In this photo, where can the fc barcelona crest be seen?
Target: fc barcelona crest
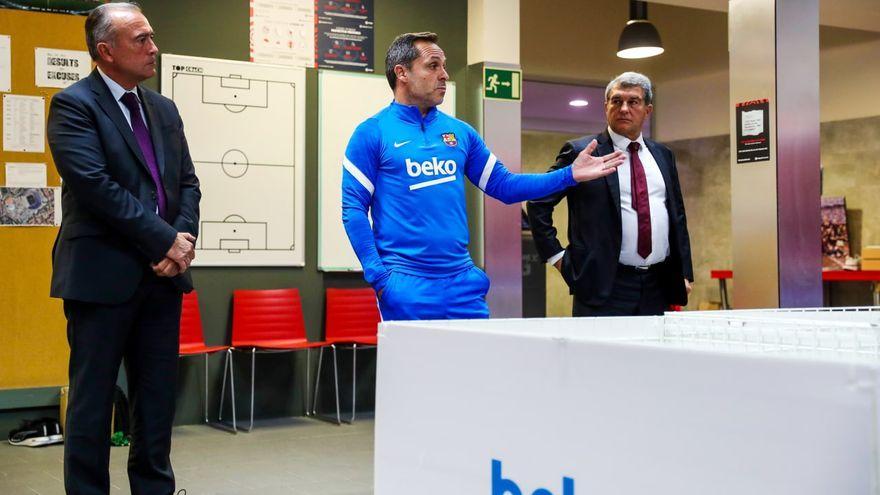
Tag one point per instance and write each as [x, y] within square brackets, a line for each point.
[449, 139]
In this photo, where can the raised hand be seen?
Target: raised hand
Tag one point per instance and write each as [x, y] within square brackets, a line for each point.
[587, 167]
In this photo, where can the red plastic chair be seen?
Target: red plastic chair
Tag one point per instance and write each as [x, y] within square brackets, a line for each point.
[351, 322]
[192, 342]
[722, 276]
[269, 321]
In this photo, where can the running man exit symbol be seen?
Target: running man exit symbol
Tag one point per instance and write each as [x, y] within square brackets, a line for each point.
[502, 84]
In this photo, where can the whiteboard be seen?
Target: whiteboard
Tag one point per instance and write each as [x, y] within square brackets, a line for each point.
[345, 100]
[245, 125]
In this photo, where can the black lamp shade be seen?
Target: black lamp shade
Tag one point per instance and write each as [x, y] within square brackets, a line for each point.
[639, 39]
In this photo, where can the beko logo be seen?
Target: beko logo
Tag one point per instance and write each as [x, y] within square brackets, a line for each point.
[506, 486]
[445, 169]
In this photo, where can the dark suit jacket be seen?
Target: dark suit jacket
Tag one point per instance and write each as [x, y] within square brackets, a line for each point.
[594, 227]
[110, 231]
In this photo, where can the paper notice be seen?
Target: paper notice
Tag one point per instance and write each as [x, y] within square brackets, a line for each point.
[60, 68]
[283, 32]
[5, 63]
[24, 123]
[752, 122]
[25, 175]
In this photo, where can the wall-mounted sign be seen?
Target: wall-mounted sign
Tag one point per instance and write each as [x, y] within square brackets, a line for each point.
[24, 123]
[283, 32]
[344, 35]
[502, 84]
[753, 131]
[5, 63]
[60, 68]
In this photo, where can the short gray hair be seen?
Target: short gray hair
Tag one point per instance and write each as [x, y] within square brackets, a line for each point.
[403, 52]
[99, 24]
[631, 80]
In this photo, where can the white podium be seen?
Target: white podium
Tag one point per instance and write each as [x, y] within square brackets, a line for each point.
[745, 403]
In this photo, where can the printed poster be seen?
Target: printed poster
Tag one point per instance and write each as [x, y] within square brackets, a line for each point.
[60, 68]
[24, 123]
[753, 131]
[283, 32]
[835, 234]
[344, 35]
[5, 63]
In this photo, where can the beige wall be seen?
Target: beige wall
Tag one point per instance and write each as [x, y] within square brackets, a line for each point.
[698, 106]
[692, 107]
[848, 81]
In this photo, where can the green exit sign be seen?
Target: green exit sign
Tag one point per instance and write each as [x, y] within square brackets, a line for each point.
[502, 84]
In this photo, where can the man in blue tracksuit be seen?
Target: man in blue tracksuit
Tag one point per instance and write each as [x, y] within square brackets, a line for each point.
[406, 167]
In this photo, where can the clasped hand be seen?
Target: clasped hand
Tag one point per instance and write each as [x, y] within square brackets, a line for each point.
[179, 256]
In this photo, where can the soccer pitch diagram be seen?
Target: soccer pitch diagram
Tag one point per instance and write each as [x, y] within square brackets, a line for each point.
[245, 125]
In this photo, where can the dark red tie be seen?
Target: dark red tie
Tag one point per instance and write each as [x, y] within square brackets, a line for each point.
[639, 186]
[143, 138]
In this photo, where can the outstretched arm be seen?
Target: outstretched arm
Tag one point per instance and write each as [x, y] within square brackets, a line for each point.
[493, 178]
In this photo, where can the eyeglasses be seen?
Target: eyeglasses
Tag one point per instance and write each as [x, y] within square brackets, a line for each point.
[632, 102]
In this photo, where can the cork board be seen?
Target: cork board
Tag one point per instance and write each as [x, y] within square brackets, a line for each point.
[33, 339]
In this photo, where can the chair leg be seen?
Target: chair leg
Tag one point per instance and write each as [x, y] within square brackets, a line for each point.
[253, 372]
[317, 383]
[353, 379]
[206, 388]
[308, 378]
[725, 302]
[223, 385]
[232, 389]
[336, 381]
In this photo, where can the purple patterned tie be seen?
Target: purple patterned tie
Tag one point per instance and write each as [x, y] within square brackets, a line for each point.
[639, 185]
[130, 101]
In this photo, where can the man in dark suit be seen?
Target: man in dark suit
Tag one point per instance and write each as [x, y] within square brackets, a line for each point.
[130, 205]
[629, 250]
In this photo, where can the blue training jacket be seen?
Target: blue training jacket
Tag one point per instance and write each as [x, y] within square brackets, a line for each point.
[408, 172]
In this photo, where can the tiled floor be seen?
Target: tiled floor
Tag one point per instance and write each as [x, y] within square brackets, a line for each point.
[291, 456]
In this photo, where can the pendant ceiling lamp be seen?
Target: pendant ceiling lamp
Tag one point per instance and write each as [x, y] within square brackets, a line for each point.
[639, 38]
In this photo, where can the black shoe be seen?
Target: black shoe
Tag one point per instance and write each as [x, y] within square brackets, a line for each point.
[37, 433]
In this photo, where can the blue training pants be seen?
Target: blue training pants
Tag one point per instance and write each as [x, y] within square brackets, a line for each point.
[413, 297]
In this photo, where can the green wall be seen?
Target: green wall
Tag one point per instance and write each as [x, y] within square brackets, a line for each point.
[221, 31]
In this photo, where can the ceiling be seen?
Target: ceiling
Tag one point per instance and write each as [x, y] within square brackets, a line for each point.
[576, 40]
[851, 14]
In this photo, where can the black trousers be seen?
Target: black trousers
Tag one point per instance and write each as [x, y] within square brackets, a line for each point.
[143, 333]
[635, 293]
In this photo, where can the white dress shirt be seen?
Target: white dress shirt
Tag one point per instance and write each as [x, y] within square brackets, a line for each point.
[628, 217]
[117, 91]
[656, 201]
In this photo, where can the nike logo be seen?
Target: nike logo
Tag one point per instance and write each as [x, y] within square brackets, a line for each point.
[402, 143]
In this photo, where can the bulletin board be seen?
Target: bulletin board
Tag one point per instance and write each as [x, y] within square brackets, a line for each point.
[33, 339]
